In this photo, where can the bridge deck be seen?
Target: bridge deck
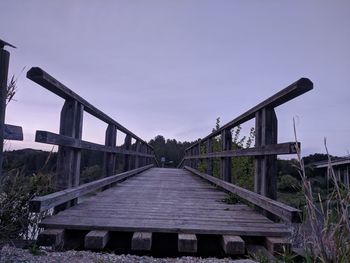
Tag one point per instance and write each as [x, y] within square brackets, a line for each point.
[167, 201]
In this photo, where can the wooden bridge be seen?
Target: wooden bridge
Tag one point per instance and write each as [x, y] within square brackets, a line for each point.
[140, 207]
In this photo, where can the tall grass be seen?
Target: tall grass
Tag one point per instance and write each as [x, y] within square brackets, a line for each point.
[329, 240]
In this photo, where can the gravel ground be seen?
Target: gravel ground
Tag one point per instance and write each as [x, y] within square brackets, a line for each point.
[11, 254]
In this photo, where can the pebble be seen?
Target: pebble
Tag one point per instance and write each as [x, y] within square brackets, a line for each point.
[9, 254]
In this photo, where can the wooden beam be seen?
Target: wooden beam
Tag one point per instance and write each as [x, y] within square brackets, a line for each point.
[141, 241]
[187, 243]
[294, 90]
[45, 80]
[12, 132]
[233, 245]
[277, 245]
[51, 237]
[109, 159]
[209, 160]
[127, 159]
[96, 239]
[42, 203]
[272, 149]
[57, 139]
[281, 210]
[226, 162]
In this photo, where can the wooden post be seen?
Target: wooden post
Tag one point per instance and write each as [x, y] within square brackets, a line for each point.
[210, 160]
[127, 146]
[137, 158]
[4, 65]
[110, 158]
[68, 159]
[225, 162]
[265, 182]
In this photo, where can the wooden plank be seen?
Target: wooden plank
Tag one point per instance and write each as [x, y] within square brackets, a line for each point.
[272, 149]
[277, 245]
[141, 241]
[12, 132]
[4, 64]
[51, 237]
[57, 139]
[42, 78]
[187, 243]
[42, 203]
[294, 90]
[283, 211]
[96, 239]
[233, 245]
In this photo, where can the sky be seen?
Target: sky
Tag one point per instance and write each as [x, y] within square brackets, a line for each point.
[173, 67]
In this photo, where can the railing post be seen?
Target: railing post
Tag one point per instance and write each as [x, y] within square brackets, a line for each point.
[265, 182]
[210, 149]
[225, 162]
[199, 161]
[68, 159]
[110, 158]
[127, 146]
[4, 64]
[137, 158]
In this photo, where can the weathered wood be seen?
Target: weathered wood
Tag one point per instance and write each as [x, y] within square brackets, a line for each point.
[110, 158]
[68, 159]
[4, 64]
[209, 161]
[42, 203]
[42, 78]
[57, 139]
[12, 132]
[96, 239]
[266, 166]
[141, 241]
[272, 149]
[281, 210]
[294, 90]
[127, 159]
[187, 243]
[137, 158]
[51, 237]
[225, 162]
[233, 245]
[277, 245]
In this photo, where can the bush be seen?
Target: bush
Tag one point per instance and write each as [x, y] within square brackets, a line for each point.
[288, 183]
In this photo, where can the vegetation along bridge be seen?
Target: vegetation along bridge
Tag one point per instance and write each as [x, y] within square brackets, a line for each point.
[145, 208]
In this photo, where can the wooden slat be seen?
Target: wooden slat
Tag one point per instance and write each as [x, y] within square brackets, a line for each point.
[57, 139]
[283, 211]
[45, 80]
[233, 245]
[272, 149]
[141, 241]
[187, 243]
[294, 90]
[12, 132]
[42, 203]
[96, 239]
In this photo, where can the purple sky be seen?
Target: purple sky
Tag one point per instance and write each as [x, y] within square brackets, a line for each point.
[173, 67]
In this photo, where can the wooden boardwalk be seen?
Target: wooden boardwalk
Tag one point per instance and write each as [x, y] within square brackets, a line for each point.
[167, 201]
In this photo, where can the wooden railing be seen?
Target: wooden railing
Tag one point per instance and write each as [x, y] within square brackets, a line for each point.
[265, 151]
[137, 156]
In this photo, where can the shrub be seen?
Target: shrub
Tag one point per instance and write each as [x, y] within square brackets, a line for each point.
[288, 183]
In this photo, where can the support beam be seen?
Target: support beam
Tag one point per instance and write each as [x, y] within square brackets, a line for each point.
[51, 237]
[209, 161]
[187, 243]
[233, 245]
[226, 162]
[96, 239]
[127, 146]
[276, 245]
[141, 241]
[109, 159]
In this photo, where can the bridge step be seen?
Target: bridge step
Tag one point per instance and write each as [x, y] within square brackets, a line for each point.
[233, 245]
[276, 245]
[187, 243]
[96, 239]
[141, 241]
[51, 237]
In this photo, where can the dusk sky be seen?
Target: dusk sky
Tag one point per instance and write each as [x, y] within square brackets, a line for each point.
[173, 67]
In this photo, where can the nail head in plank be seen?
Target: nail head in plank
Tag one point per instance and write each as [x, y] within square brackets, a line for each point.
[96, 239]
[277, 245]
[51, 237]
[187, 243]
[141, 241]
[233, 245]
